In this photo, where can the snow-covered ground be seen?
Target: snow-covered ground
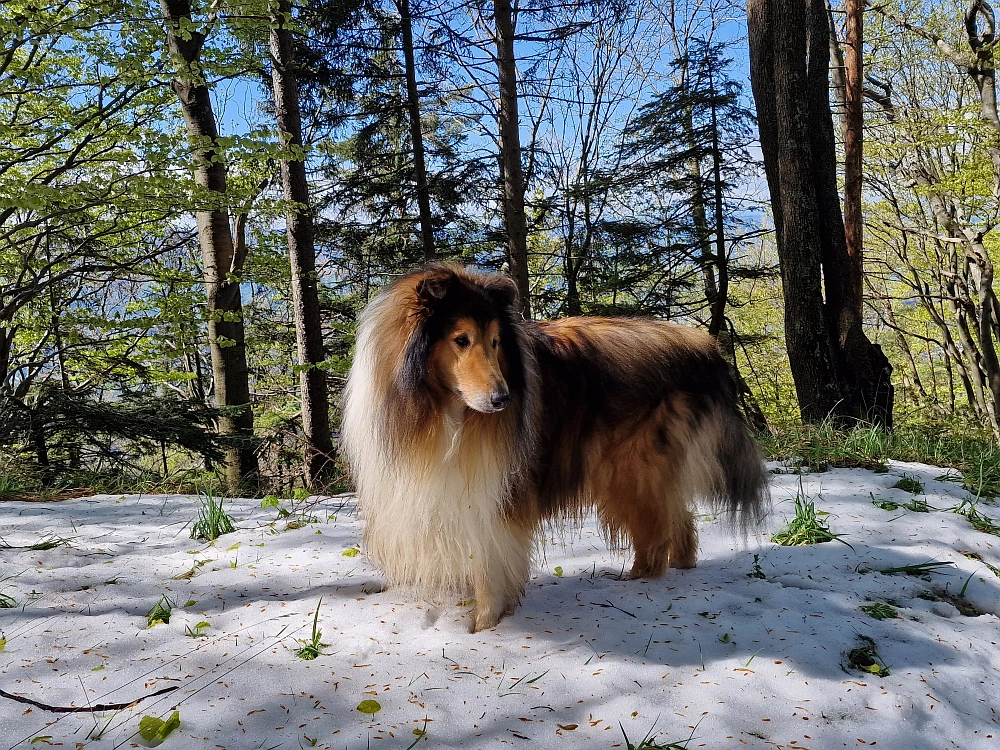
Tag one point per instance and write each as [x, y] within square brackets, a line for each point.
[711, 655]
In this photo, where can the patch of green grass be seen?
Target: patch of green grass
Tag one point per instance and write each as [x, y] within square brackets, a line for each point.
[820, 446]
[649, 743]
[958, 601]
[312, 648]
[188, 575]
[880, 611]
[806, 527]
[982, 477]
[13, 486]
[909, 484]
[7, 601]
[883, 504]
[979, 522]
[979, 558]
[213, 521]
[954, 442]
[160, 613]
[918, 569]
[50, 542]
[296, 510]
[918, 505]
[866, 658]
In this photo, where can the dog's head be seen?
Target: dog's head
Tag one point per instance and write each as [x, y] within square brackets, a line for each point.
[463, 342]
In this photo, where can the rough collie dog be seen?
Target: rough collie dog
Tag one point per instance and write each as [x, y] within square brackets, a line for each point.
[468, 427]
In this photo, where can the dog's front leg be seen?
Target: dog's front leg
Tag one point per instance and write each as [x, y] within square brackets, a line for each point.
[499, 582]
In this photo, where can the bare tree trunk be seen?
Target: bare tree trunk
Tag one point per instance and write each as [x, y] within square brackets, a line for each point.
[416, 131]
[319, 452]
[222, 266]
[779, 80]
[984, 75]
[721, 254]
[837, 370]
[512, 174]
[853, 153]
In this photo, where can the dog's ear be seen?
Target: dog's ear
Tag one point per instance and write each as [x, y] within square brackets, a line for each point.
[433, 288]
[503, 290]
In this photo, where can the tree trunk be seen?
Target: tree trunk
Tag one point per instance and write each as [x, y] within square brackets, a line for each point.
[416, 132]
[779, 82]
[837, 371]
[718, 318]
[41, 449]
[319, 452]
[222, 267]
[512, 174]
[853, 152]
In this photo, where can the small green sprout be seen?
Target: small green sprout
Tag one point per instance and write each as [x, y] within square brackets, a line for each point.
[313, 647]
[160, 613]
[866, 658]
[200, 630]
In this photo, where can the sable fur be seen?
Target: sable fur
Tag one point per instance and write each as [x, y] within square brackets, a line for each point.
[636, 417]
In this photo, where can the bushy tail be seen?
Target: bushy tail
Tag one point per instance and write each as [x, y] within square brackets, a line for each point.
[742, 490]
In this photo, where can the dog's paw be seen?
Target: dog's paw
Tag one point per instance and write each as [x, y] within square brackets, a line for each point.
[483, 619]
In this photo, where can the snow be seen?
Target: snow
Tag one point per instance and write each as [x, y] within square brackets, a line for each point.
[709, 657]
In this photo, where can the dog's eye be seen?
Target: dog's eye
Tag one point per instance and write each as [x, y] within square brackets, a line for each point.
[462, 341]
[496, 343]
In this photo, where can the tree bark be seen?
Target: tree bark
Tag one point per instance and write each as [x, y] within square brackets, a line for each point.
[837, 371]
[511, 172]
[853, 152]
[222, 266]
[416, 132]
[319, 450]
[718, 318]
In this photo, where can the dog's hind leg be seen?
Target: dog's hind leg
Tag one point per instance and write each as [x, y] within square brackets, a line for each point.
[644, 495]
[682, 549]
[501, 577]
[663, 532]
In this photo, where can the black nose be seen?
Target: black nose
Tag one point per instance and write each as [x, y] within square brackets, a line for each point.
[500, 400]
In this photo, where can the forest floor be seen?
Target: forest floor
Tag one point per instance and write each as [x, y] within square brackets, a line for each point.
[779, 654]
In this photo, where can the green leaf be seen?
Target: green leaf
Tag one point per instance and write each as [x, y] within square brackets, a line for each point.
[558, 571]
[152, 728]
[269, 501]
[369, 707]
[352, 552]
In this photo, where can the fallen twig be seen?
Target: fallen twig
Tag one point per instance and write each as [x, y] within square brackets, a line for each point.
[82, 709]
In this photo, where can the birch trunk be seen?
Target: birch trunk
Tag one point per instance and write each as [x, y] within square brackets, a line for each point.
[222, 266]
[319, 450]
